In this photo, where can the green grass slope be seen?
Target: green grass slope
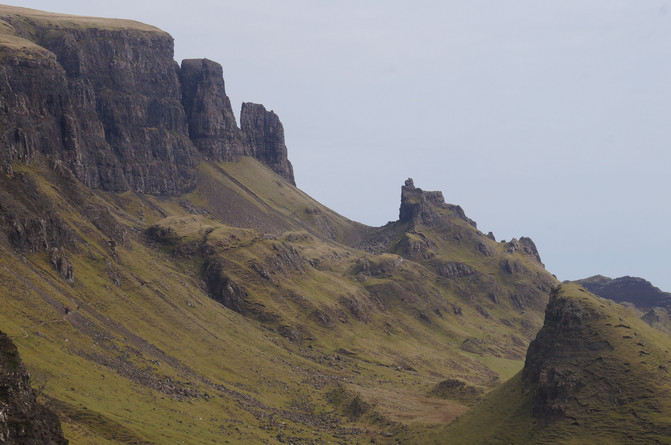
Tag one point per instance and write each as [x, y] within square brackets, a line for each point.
[595, 374]
[246, 312]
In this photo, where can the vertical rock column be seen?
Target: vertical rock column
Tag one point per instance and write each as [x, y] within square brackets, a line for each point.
[212, 126]
[265, 135]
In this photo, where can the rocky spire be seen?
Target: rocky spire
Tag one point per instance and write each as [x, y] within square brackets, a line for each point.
[212, 126]
[265, 136]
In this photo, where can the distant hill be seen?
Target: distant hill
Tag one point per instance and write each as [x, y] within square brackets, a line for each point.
[637, 291]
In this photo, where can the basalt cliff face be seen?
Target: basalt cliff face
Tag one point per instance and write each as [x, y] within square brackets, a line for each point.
[109, 103]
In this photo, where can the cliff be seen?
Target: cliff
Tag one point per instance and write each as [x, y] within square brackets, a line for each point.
[235, 311]
[22, 419]
[212, 126]
[105, 99]
[265, 135]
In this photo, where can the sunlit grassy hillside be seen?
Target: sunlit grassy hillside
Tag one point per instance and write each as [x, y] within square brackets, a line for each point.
[596, 374]
[242, 312]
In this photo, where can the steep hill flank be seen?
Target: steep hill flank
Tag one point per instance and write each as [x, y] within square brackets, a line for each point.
[594, 374]
[249, 312]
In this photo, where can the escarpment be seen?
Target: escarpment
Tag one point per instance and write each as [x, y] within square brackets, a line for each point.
[105, 99]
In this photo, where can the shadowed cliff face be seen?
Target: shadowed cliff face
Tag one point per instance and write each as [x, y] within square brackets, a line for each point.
[108, 107]
[555, 359]
[112, 106]
[212, 125]
[265, 135]
[22, 419]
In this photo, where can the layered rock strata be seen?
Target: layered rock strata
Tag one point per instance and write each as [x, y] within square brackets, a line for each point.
[265, 136]
[105, 99]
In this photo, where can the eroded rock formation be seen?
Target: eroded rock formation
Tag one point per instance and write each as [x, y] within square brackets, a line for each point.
[212, 125]
[110, 104]
[265, 135]
[556, 360]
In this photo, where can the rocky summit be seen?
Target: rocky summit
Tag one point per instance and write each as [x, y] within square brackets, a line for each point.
[164, 280]
[594, 374]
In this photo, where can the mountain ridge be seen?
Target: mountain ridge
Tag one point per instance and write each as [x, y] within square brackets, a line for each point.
[165, 275]
[635, 290]
[116, 109]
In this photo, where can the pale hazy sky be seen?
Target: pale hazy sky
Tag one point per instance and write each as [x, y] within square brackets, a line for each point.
[547, 119]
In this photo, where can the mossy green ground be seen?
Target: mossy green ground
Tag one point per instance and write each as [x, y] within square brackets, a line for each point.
[627, 400]
[145, 355]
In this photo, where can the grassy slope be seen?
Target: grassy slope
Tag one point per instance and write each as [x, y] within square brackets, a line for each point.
[146, 355]
[634, 374]
[16, 24]
[72, 21]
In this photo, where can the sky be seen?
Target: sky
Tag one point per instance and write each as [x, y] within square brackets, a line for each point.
[543, 119]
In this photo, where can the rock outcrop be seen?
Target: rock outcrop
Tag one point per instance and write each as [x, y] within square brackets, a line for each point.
[22, 419]
[212, 125]
[105, 99]
[265, 135]
[104, 102]
[554, 359]
[420, 207]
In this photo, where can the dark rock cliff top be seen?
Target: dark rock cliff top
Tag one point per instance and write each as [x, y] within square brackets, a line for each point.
[638, 291]
[22, 419]
[212, 126]
[105, 99]
[419, 206]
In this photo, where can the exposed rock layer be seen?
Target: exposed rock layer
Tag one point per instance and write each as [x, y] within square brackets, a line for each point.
[265, 135]
[212, 125]
[112, 106]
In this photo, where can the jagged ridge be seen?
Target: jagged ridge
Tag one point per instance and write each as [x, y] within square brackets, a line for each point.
[242, 296]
